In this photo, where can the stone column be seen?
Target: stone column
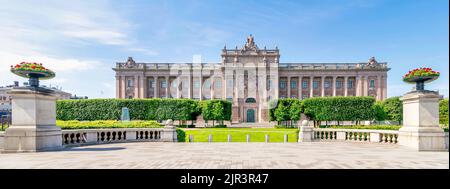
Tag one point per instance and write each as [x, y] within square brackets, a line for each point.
[33, 122]
[334, 85]
[288, 86]
[117, 86]
[365, 86]
[212, 82]
[123, 87]
[142, 87]
[358, 85]
[179, 86]
[224, 87]
[311, 88]
[384, 87]
[167, 86]
[156, 88]
[346, 86]
[379, 94]
[190, 86]
[300, 87]
[421, 129]
[322, 90]
[201, 86]
[136, 87]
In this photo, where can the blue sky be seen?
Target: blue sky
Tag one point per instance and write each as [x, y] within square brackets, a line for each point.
[82, 40]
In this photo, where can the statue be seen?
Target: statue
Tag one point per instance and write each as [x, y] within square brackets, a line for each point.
[372, 61]
[130, 62]
[250, 45]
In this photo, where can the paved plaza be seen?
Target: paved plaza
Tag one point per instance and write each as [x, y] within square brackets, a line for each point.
[156, 155]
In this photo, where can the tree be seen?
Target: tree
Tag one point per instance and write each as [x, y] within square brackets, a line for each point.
[394, 109]
[443, 111]
[295, 110]
[282, 112]
[378, 109]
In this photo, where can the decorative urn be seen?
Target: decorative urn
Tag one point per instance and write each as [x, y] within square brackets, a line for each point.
[33, 71]
[420, 76]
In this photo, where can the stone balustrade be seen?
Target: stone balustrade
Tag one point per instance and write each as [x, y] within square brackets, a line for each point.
[358, 135]
[97, 136]
[2, 139]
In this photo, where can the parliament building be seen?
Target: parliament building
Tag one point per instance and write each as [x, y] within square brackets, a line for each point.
[250, 77]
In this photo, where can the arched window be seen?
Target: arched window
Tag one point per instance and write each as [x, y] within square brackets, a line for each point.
[250, 100]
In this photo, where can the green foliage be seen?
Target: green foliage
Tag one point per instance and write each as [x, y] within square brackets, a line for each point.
[380, 114]
[239, 134]
[443, 112]
[140, 109]
[106, 124]
[296, 110]
[373, 127]
[285, 110]
[339, 108]
[181, 135]
[285, 127]
[393, 108]
[282, 111]
[216, 110]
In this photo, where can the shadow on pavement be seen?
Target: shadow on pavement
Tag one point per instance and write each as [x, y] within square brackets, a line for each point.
[95, 149]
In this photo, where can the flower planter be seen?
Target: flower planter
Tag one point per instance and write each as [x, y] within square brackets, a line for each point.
[33, 71]
[420, 76]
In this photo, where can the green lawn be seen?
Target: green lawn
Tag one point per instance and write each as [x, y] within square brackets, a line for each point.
[239, 134]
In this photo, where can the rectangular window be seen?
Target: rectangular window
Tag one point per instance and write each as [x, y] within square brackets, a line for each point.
[305, 84]
[197, 84]
[327, 84]
[315, 84]
[338, 84]
[151, 84]
[282, 84]
[372, 84]
[350, 84]
[130, 83]
[218, 84]
[163, 84]
[293, 84]
[269, 84]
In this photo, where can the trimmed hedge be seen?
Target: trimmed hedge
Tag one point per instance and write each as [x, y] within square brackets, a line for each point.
[106, 124]
[140, 109]
[339, 108]
[393, 107]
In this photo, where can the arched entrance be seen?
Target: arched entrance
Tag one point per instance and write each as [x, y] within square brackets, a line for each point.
[250, 115]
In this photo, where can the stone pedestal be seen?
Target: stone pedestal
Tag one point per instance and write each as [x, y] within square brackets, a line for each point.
[421, 129]
[170, 132]
[306, 133]
[33, 122]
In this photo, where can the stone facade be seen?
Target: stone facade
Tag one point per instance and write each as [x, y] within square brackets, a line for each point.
[249, 77]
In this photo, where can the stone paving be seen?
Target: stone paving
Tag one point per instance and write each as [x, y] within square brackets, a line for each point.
[155, 155]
